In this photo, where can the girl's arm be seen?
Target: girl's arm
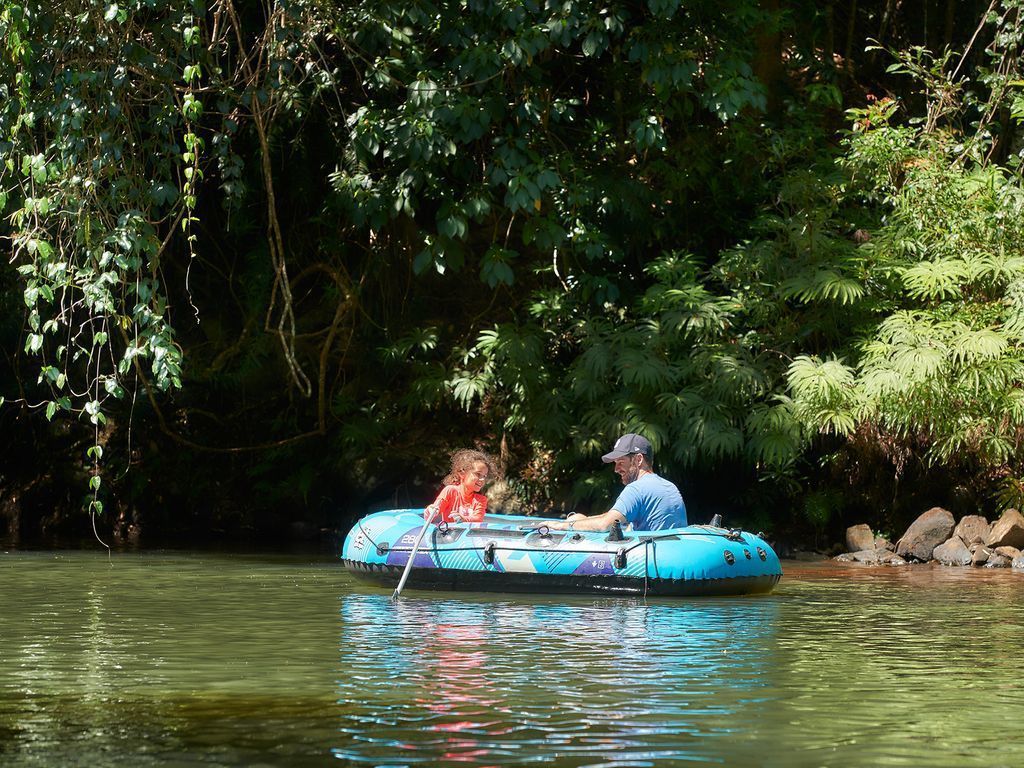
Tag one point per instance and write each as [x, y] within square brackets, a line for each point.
[476, 510]
[441, 509]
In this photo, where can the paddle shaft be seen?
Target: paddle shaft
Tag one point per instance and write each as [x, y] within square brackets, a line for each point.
[408, 565]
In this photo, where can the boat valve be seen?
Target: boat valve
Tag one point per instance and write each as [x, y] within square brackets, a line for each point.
[620, 558]
[382, 548]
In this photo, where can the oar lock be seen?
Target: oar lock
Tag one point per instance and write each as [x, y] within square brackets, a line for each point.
[489, 553]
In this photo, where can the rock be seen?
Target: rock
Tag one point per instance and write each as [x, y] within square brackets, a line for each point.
[1007, 531]
[981, 555]
[1011, 552]
[1018, 562]
[859, 537]
[926, 533]
[953, 552]
[998, 561]
[972, 528]
[846, 557]
[883, 543]
[807, 556]
[873, 557]
[888, 557]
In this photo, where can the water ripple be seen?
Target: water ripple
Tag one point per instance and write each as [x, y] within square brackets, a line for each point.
[172, 659]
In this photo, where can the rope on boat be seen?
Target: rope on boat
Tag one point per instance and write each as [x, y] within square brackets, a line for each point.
[644, 541]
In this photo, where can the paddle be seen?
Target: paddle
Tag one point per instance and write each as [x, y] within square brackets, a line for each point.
[412, 556]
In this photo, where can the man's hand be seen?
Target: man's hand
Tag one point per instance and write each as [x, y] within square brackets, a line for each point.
[563, 525]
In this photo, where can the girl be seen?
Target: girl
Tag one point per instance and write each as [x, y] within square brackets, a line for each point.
[460, 501]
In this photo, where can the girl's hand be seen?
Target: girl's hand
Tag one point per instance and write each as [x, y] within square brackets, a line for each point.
[457, 518]
[430, 513]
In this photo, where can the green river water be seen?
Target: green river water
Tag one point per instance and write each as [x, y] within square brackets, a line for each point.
[186, 659]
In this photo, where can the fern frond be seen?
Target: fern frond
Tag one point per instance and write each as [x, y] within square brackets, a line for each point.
[1013, 316]
[643, 369]
[883, 381]
[971, 346]
[936, 280]
[720, 439]
[1000, 269]
[920, 362]
[468, 387]
[814, 379]
[836, 421]
[735, 378]
[774, 431]
[824, 285]
[595, 364]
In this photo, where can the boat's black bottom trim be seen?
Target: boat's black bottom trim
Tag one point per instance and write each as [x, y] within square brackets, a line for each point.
[494, 581]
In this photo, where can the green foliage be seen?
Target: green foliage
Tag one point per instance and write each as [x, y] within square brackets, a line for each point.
[91, 160]
[819, 507]
[328, 241]
[939, 370]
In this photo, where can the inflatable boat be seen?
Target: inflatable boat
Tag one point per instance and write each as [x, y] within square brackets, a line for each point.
[521, 554]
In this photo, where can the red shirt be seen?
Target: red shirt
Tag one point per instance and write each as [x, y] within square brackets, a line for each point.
[450, 502]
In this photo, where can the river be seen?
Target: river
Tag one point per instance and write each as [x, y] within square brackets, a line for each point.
[169, 658]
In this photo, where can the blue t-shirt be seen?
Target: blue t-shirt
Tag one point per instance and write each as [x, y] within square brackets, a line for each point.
[652, 503]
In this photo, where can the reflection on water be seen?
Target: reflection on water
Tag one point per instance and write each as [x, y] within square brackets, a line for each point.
[501, 680]
[171, 659]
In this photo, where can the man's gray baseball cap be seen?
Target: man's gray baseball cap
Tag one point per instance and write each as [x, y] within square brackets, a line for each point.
[626, 445]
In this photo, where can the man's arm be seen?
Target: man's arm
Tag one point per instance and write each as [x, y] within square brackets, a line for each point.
[579, 522]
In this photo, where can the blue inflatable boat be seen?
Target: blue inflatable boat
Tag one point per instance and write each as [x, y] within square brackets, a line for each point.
[520, 554]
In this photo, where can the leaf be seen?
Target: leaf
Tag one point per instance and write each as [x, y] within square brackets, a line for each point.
[422, 260]
[33, 343]
[936, 279]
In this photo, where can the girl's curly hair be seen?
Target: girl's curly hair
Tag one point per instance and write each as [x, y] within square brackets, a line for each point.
[463, 461]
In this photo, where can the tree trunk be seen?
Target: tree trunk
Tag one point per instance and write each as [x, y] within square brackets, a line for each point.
[851, 28]
[768, 58]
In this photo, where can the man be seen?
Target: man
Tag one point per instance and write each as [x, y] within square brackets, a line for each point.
[648, 502]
